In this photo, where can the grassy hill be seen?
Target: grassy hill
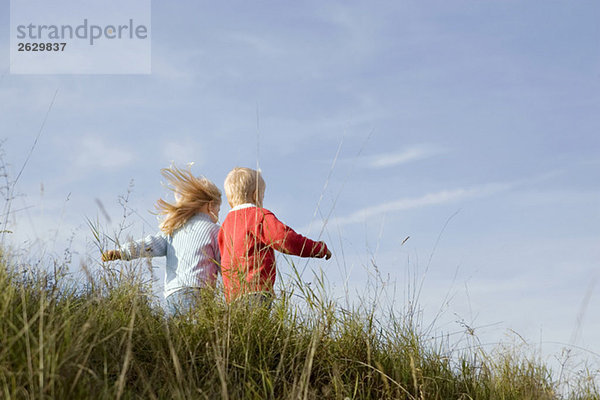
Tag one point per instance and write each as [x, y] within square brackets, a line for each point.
[104, 338]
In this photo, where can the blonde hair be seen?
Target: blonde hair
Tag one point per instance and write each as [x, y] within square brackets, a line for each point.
[242, 183]
[191, 194]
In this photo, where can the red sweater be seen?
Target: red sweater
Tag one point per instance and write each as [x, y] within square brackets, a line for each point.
[247, 240]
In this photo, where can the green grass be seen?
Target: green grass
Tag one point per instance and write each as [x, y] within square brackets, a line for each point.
[104, 339]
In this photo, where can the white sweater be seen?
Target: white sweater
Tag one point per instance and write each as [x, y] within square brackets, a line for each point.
[192, 252]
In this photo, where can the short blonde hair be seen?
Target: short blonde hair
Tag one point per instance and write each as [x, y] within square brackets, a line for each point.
[191, 194]
[242, 183]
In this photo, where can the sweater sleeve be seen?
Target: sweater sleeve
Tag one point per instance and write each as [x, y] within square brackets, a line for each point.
[281, 237]
[150, 246]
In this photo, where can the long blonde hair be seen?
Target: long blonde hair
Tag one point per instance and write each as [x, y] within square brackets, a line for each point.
[191, 194]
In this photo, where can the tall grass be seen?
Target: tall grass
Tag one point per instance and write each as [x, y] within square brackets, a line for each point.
[102, 335]
[105, 338]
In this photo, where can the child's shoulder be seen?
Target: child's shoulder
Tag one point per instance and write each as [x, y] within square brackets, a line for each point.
[253, 210]
[201, 220]
[195, 225]
[262, 211]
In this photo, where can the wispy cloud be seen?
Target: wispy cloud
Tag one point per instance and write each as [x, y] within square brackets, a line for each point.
[94, 152]
[404, 156]
[183, 151]
[430, 199]
[169, 64]
[259, 44]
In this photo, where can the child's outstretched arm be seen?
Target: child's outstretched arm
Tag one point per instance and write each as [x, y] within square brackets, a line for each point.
[284, 239]
[150, 246]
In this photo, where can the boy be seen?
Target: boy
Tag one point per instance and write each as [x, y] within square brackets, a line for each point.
[250, 234]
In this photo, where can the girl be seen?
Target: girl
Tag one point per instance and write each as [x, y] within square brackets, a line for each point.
[187, 237]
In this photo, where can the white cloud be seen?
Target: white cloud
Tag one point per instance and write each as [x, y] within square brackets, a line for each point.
[404, 156]
[94, 152]
[172, 65]
[442, 197]
[182, 152]
[257, 43]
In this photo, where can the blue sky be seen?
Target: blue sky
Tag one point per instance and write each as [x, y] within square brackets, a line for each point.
[372, 122]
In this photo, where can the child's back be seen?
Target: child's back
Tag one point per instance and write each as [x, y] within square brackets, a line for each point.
[250, 234]
[187, 238]
[191, 253]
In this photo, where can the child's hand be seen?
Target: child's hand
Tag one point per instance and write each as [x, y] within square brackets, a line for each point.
[327, 254]
[111, 255]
